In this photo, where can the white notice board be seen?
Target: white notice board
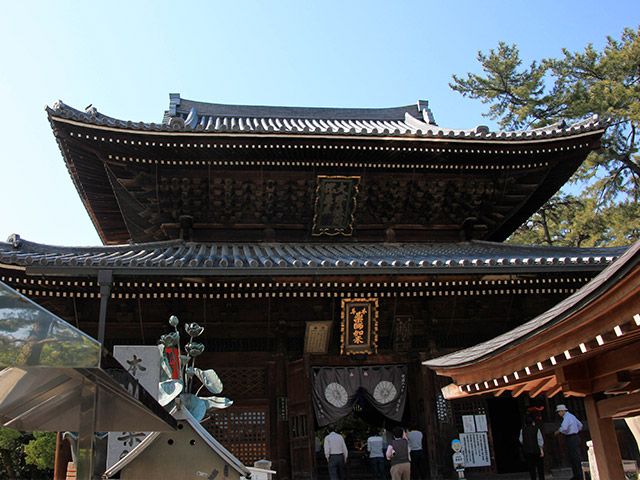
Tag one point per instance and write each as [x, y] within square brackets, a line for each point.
[481, 423]
[475, 448]
[468, 424]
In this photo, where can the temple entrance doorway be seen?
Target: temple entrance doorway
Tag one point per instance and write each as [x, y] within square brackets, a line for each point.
[356, 427]
[506, 422]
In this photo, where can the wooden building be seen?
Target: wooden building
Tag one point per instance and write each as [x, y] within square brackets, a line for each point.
[587, 346]
[263, 223]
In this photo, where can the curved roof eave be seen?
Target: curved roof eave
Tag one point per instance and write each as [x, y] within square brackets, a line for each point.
[407, 128]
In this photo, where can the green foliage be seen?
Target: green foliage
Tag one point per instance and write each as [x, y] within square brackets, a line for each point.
[9, 438]
[40, 451]
[572, 88]
[14, 459]
[566, 220]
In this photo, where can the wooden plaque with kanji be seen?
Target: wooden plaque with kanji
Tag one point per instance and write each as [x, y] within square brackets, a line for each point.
[359, 326]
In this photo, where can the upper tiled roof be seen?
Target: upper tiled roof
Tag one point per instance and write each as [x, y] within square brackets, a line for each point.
[407, 121]
[319, 258]
[510, 339]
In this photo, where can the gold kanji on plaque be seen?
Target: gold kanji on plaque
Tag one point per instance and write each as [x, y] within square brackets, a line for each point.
[359, 329]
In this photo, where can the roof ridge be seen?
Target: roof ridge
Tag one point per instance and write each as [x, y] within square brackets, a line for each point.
[191, 119]
[297, 112]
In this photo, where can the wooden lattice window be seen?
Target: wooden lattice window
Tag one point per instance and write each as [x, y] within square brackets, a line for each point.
[467, 406]
[243, 431]
[244, 382]
[298, 425]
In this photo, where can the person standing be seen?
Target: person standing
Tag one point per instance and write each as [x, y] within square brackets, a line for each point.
[399, 456]
[533, 447]
[375, 447]
[414, 436]
[335, 450]
[570, 428]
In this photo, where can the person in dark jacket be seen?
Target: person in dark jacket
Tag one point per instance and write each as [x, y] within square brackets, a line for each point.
[533, 447]
[399, 456]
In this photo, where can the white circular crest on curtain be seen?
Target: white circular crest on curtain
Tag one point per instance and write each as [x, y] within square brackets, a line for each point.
[336, 395]
[384, 392]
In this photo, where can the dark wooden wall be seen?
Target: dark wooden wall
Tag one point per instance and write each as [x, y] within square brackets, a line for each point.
[255, 335]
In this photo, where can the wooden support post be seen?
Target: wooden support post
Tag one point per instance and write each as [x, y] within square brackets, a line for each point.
[62, 457]
[605, 442]
[429, 382]
[105, 280]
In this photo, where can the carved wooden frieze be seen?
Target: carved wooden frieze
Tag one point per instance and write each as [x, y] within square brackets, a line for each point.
[335, 205]
[318, 205]
[402, 333]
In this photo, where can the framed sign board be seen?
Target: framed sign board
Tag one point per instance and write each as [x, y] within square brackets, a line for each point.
[359, 328]
[335, 205]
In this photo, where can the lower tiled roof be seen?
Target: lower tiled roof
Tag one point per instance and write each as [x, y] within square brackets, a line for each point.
[512, 338]
[316, 258]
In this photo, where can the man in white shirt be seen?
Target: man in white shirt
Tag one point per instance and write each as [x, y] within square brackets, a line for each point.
[375, 447]
[335, 450]
[414, 436]
[570, 428]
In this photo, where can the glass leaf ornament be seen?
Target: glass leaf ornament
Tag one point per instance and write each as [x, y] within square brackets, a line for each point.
[193, 329]
[178, 370]
[194, 349]
[196, 405]
[217, 402]
[170, 339]
[210, 380]
[164, 363]
[168, 391]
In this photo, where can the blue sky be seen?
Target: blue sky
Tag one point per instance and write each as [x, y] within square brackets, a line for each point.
[126, 57]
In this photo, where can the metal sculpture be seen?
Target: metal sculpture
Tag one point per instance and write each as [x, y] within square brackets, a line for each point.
[178, 371]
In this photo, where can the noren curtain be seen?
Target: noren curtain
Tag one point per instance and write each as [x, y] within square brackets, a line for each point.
[335, 390]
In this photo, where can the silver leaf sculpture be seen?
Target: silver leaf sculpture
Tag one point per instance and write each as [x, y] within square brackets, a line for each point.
[179, 371]
[210, 380]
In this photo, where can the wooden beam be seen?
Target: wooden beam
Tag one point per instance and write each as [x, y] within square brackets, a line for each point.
[624, 358]
[500, 391]
[620, 406]
[548, 385]
[605, 441]
[554, 391]
[453, 392]
[613, 382]
[574, 379]
[626, 387]
[520, 389]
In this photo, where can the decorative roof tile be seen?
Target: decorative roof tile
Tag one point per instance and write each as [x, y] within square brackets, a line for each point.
[406, 121]
[269, 258]
[557, 313]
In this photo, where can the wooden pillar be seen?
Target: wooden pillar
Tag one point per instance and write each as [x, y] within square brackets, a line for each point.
[280, 434]
[605, 442]
[62, 458]
[431, 417]
[105, 280]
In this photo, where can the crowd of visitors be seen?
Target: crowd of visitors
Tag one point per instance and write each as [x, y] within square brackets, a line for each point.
[398, 454]
[395, 454]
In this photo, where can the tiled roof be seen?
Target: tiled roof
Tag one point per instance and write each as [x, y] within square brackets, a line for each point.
[304, 258]
[407, 121]
[513, 337]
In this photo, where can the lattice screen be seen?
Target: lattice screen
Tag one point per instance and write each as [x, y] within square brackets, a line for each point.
[468, 406]
[243, 382]
[244, 431]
